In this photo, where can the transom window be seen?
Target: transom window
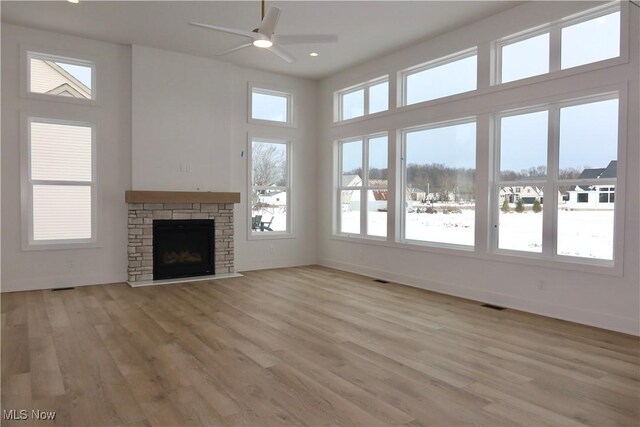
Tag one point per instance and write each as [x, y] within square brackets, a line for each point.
[588, 37]
[270, 187]
[555, 184]
[60, 76]
[272, 106]
[61, 181]
[363, 186]
[443, 77]
[367, 98]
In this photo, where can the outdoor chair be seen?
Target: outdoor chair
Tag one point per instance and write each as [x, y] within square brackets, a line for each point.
[256, 222]
[266, 225]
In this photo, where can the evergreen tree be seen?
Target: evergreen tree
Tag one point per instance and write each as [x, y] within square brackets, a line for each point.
[505, 206]
[537, 207]
[519, 206]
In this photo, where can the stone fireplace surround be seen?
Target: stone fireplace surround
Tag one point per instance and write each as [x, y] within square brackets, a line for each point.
[145, 206]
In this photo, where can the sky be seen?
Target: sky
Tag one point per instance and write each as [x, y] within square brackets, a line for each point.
[79, 72]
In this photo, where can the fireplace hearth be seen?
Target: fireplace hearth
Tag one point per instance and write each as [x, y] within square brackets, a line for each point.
[183, 248]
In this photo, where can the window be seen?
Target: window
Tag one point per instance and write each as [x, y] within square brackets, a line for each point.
[439, 177]
[367, 98]
[589, 41]
[61, 182]
[363, 188]
[444, 77]
[270, 187]
[59, 76]
[583, 139]
[271, 106]
[586, 38]
[523, 170]
[607, 195]
[523, 58]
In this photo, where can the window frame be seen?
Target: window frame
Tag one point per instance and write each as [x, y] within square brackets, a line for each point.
[555, 41]
[364, 188]
[267, 90]
[289, 232]
[403, 185]
[404, 74]
[68, 57]
[552, 181]
[365, 86]
[28, 242]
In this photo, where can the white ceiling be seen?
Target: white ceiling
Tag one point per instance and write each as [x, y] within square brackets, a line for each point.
[366, 29]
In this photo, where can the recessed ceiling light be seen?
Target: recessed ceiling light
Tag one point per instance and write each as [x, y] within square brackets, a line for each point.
[73, 1]
[313, 54]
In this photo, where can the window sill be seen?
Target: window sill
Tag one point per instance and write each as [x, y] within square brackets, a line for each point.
[57, 245]
[59, 98]
[582, 265]
[273, 123]
[270, 235]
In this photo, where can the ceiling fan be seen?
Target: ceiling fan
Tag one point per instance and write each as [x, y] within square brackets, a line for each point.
[264, 36]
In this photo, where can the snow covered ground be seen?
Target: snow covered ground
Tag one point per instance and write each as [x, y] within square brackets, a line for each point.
[279, 216]
[580, 233]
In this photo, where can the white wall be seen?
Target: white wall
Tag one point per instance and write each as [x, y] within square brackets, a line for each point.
[567, 292]
[190, 132]
[22, 270]
[181, 121]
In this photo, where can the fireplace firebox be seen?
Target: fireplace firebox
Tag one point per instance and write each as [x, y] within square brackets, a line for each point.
[183, 248]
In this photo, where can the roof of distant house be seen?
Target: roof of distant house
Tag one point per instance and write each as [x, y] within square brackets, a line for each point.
[611, 171]
[351, 180]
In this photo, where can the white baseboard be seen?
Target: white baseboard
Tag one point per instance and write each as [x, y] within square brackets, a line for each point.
[543, 308]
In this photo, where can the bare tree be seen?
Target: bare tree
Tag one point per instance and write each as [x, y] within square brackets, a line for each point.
[269, 166]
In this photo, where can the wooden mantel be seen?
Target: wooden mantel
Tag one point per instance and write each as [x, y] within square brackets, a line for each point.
[180, 197]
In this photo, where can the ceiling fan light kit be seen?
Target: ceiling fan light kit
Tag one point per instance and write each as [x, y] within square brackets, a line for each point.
[262, 43]
[264, 36]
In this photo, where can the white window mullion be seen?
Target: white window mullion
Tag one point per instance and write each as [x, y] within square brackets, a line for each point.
[365, 183]
[555, 48]
[402, 187]
[550, 205]
[366, 100]
[393, 214]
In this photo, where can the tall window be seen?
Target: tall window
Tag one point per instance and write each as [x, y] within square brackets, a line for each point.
[270, 187]
[366, 98]
[444, 77]
[576, 166]
[61, 181]
[269, 105]
[440, 179]
[363, 187]
[588, 37]
[523, 174]
[60, 76]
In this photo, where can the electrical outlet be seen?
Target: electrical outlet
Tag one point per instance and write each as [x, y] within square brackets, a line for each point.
[541, 285]
[70, 264]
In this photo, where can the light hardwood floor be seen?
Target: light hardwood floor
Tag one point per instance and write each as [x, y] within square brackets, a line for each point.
[306, 346]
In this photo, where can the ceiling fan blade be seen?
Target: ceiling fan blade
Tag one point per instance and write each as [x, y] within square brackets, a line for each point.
[277, 50]
[270, 21]
[233, 49]
[235, 31]
[305, 38]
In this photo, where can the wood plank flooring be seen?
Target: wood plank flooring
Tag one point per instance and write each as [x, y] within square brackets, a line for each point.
[306, 346]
